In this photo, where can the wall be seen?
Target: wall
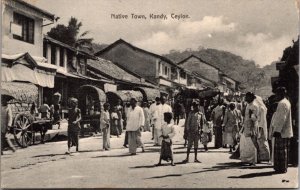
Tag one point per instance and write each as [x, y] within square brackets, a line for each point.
[207, 71]
[135, 61]
[12, 46]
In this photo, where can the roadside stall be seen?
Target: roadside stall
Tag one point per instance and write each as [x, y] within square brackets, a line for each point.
[90, 101]
[23, 77]
[149, 94]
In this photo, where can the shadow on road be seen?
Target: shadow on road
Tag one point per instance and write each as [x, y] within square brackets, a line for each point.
[163, 176]
[49, 155]
[199, 151]
[113, 156]
[147, 166]
[252, 175]
[223, 166]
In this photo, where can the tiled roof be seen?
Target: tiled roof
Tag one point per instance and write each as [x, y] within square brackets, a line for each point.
[113, 71]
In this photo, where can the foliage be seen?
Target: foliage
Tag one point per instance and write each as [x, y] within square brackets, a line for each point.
[247, 72]
[71, 34]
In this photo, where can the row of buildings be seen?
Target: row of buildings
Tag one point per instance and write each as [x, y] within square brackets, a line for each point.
[40, 65]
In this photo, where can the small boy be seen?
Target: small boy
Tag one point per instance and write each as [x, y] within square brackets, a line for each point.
[205, 134]
[194, 126]
[168, 132]
[73, 124]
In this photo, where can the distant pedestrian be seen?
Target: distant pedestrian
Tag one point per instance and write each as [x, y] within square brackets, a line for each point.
[73, 125]
[120, 112]
[156, 120]
[281, 131]
[6, 124]
[177, 112]
[147, 116]
[194, 125]
[114, 129]
[105, 126]
[135, 122]
[230, 126]
[127, 106]
[168, 132]
[217, 119]
[45, 110]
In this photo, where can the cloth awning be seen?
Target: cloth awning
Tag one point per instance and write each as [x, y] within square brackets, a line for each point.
[125, 95]
[90, 89]
[149, 94]
[23, 92]
[22, 73]
[23, 67]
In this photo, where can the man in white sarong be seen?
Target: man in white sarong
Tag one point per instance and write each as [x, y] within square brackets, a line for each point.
[248, 141]
[135, 122]
[156, 122]
[262, 136]
[165, 108]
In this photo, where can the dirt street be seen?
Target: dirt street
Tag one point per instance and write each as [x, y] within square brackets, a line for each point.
[47, 166]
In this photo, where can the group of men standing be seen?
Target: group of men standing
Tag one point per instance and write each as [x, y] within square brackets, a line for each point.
[250, 126]
[157, 111]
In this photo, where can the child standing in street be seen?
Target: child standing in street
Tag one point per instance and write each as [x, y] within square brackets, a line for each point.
[194, 126]
[73, 125]
[205, 134]
[168, 132]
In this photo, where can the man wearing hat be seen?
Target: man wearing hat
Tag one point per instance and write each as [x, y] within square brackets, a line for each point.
[281, 131]
[135, 122]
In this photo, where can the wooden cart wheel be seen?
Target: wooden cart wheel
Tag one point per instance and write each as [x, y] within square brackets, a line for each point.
[23, 132]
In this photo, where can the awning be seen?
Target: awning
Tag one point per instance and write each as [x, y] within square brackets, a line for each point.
[23, 67]
[124, 95]
[149, 94]
[89, 89]
[23, 92]
[22, 73]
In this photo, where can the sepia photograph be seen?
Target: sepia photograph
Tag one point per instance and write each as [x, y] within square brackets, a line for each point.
[118, 94]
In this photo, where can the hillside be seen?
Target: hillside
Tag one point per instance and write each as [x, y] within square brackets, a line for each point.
[250, 75]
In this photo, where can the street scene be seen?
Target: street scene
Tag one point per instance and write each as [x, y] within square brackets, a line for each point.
[117, 95]
[47, 163]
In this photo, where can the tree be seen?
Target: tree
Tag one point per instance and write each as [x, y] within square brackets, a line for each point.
[71, 34]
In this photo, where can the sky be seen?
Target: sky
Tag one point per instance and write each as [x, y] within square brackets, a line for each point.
[257, 30]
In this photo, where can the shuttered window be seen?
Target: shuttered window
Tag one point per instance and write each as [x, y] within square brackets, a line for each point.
[27, 25]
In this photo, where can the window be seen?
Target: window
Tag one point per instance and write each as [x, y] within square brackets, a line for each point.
[45, 49]
[27, 25]
[182, 74]
[166, 70]
[61, 57]
[53, 55]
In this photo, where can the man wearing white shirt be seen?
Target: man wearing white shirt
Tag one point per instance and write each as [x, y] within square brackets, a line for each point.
[135, 121]
[281, 131]
[152, 110]
[158, 119]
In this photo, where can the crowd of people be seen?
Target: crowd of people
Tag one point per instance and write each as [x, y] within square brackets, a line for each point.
[244, 127]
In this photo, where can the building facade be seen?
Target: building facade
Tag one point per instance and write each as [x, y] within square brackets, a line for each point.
[155, 68]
